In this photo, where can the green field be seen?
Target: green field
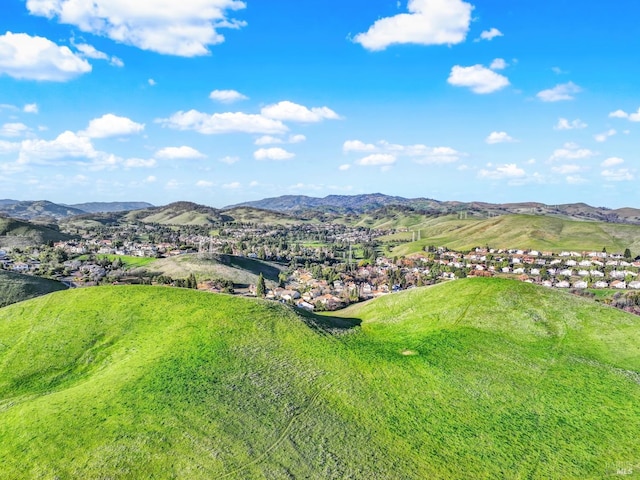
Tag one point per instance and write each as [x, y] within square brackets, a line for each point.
[129, 261]
[521, 231]
[478, 378]
[15, 287]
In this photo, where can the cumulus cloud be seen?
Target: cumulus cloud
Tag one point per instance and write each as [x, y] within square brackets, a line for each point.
[8, 147]
[227, 96]
[498, 64]
[429, 22]
[571, 151]
[293, 112]
[344, 167]
[179, 153]
[565, 91]
[270, 140]
[490, 34]
[30, 108]
[13, 129]
[274, 153]
[139, 163]
[633, 117]
[619, 175]
[436, 155]
[232, 185]
[612, 162]
[499, 137]
[564, 124]
[111, 125]
[66, 145]
[36, 58]
[204, 184]
[507, 171]
[297, 138]
[185, 28]
[358, 146]
[377, 159]
[219, 123]
[478, 78]
[603, 137]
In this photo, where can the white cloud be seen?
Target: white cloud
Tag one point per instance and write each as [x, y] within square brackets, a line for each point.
[268, 140]
[8, 147]
[436, 155]
[152, 82]
[232, 185]
[227, 96]
[344, 167]
[564, 124]
[13, 129]
[508, 171]
[377, 159]
[204, 184]
[558, 71]
[429, 22]
[275, 153]
[571, 151]
[151, 179]
[139, 163]
[567, 169]
[490, 34]
[499, 137]
[67, 144]
[179, 153]
[229, 160]
[185, 28]
[478, 78]
[36, 58]
[358, 146]
[565, 91]
[289, 111]
[111, 125]
[172, 184]
[603, 137]
[498, 64]
[220, 123]
[30, 108]
[611, 162]
[89, 51]
[620, 175]
[297, 138]
[575, 180]
[633, 117]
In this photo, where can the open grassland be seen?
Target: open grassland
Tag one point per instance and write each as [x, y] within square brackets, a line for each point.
[15, 287]
[127, 260]
[479, 378]
[239, 270]
[525, 232]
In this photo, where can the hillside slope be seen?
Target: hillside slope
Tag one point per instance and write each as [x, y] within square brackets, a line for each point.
[15, 287]
[524, 231]
[472, 379]
[19, 233]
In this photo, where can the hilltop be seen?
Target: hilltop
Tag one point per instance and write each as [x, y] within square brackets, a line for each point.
[476, 378]
[179, 213]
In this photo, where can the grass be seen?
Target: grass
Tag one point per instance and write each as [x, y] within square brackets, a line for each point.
[15, 287]
[523, 231]
[478, 378]
[128, 261]
[239, 270]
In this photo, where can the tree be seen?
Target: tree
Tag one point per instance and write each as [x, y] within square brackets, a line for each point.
[627, 253]
[261, 288]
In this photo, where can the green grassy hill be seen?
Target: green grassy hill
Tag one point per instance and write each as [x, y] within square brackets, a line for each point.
[18, 233]
[178, 213]
[478, 378]
[15, 287]
[522, 231]
[239, 270]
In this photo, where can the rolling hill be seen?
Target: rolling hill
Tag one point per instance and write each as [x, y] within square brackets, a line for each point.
[521, 231]
[179, 213]
[109, 207]
[15, 287]
[39, 210]
[239, 270]
[478, 378]
[18, 233]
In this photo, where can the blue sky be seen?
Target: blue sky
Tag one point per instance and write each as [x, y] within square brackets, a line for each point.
[223, 101]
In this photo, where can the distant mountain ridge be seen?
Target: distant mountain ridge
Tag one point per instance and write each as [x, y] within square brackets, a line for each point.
[357, 204]
[111, 207]
[45, 210]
